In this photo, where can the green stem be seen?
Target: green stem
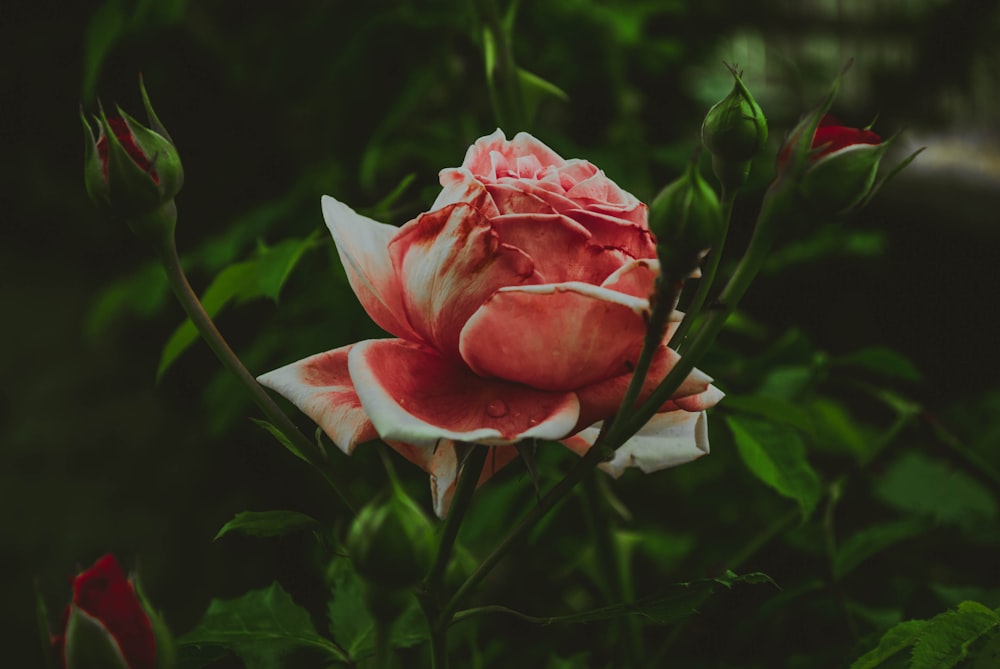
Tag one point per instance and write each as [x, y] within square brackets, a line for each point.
[768, 220]
[167, 250]
[611, 568]
[469, 478]
[383, 646]
[552, 498]
[707, 276]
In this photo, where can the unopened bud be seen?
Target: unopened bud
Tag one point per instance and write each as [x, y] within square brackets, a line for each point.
[734, 131]
[686, 218]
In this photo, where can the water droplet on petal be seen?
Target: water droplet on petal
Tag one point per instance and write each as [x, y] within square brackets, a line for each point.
[496, 409]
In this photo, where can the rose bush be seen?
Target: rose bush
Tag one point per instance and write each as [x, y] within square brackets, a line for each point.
[519, 306]
[105, 625]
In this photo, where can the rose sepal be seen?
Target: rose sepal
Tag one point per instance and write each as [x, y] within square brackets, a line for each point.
[166, 648]
[89, 644]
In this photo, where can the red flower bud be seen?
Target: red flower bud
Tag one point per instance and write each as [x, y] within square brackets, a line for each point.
[840, 168]
[133, 171]
[105, 625]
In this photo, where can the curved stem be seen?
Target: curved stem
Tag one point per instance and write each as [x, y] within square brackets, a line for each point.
[469, 478]
[707, 276]
[552, 498]
[167, 251]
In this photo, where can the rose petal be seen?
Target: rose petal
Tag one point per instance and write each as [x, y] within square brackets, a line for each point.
[602, 399]
[637, 278]
[612, 231]
[459, 185]
[363, 248]
[555, 336]
[508, 198]
[492, 156]
[669, 439]
[558, 246]
[321, 387]
[414, 395]
[451, 261]
[441, 462]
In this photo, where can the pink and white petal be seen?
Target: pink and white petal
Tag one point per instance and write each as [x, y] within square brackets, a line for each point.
[669, 439]
[548, 192]
[555, 336]
[321, 387]
[509, 198]
[558, 246]
[478, 159]
[450, 261]
[363, 246]
[459, 185]
[441, 462]
[600, 189]
[615, 232]
[525, 144]
[603, 398]
[412, 394]
[637, 212]
[637, 278]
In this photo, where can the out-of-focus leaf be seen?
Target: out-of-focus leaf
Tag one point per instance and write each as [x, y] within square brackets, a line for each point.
[263, 276]
[282, 439]
[142, 293]
[873, 540]
[675, 602]
[267, 523]
[881, 360]
[787, 382]
[918, 484]
[836, 431]
[897, 639]
[42, 619]
[535, 90]
[828, 241]
[114, 20]
[776, 455]
[947, 637]
[771, 408]
[261, 627]
[350, 623]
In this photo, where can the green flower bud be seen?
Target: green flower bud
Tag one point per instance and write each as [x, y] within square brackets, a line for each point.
[391, 541]
[686, 218]
[734, 131]
[133, 171]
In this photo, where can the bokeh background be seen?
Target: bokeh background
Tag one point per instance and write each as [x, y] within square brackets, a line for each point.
[274, 104]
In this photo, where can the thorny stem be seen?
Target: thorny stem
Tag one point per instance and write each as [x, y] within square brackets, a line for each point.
[166, 249]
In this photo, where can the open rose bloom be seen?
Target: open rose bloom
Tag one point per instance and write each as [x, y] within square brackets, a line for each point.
[518, 304]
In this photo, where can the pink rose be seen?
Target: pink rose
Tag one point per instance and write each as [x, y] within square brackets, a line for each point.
[519, 306]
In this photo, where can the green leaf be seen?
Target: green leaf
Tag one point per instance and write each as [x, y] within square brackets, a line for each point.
[263, 276]
[836, 431]
[262, 627]
[917, 484]
[141, 293]
[881, 360]
[282, 439]
[675, 602]
[945, 640]
[535, 90]
[350, 622]
[875, 539]
[898, 638]
[776, 455]
[774, 409]
[939, 643]
[267, 523]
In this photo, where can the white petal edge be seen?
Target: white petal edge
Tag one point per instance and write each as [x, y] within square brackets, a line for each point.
[394, 423]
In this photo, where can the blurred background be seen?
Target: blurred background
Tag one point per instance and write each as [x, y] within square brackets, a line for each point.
[273, 105]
